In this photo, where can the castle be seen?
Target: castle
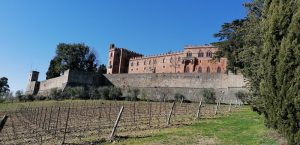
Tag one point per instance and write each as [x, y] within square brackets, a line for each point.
[194, 59]
[188, 72]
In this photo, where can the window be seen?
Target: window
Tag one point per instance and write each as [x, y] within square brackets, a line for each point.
[209, 54]
[137, 63]
[178, 59]
[154, 61]
[110, 54]
[200, 54]
[131, 63]
[149, 61]
[171, 59]
[200, 70]
[145, 62]
[189, 54]
[187, 69]
[208, 70]
[219, 70]
[163, 61]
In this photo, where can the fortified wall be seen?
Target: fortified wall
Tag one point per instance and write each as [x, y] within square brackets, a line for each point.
[159, 86]
[151, 86]
[68, 79]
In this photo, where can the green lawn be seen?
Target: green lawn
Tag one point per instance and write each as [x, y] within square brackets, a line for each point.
[243, 127]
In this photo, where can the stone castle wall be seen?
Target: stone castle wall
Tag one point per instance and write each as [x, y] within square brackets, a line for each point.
[151, 86]
[157, 86]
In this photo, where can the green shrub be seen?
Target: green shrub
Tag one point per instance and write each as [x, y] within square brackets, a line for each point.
[55, 94]
[115, 93]
[178, 97]
[209, 96]
[41, 98]
[243, 96]
[19, 95]
[132, 95]
[74, 93]
[103, 93]
[29, 98]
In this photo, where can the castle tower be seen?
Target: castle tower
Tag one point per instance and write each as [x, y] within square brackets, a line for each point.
[118, 61]
[33, 84]
[33, 76]
[112, 60]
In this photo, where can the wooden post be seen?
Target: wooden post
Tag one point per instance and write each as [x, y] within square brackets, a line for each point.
[41, 116]
[66, 127]
[199, 109]
[109, 111]
[181, 101]
[45, 115]
[99, 118]
[150, 114]
[58, 113]
[50, 117]
[229, 109]
[112, 135]
[170, 114]
[2, 122]
[216, 109]
[37, 116]
[134, 113]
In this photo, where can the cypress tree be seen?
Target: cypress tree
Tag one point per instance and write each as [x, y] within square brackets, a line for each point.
[280, 67]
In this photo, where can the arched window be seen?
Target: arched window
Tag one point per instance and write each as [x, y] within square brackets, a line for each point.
[200, 69]
[163, 61]
[149, 61]
[187, 69]
[189, 54]
[131, 63]
[208, 70]
[200, 54]
[219, 70]
[137, 63]
[209, 54]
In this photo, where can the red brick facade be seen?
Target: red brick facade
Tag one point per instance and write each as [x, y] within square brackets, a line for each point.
[118, 61]
[194, 59]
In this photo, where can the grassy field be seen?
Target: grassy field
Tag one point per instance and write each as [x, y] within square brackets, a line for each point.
[243, 127]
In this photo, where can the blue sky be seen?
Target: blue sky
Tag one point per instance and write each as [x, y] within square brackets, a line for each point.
[31, 29]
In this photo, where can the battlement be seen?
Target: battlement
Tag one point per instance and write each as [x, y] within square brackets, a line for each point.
[125, 50]
[157, 55]
[198, 46]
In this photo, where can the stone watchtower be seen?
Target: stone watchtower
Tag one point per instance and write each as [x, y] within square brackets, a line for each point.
[33, 84]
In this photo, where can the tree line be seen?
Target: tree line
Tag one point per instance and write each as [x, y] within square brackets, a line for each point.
[265, 48]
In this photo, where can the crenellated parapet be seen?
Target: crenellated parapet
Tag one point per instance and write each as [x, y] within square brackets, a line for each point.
[157, 55]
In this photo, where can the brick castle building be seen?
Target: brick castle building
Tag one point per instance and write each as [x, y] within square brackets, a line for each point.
[193, 59]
